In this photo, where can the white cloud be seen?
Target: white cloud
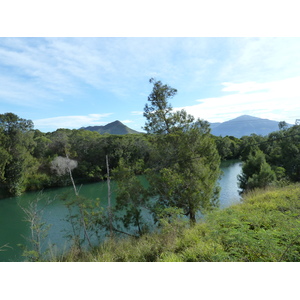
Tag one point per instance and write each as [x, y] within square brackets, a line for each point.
[16, 91]
[126, 121]
[137, 113]
[39, 72]
[72, 122]
[245, 87]
[116, 65]
[277, 100]
[260, 59]
[284, 87]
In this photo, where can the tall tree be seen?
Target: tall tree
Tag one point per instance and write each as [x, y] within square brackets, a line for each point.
[129, 196]
[185, 167]
[17, 145]
[282, 125]
[161, 119]
[159, 113]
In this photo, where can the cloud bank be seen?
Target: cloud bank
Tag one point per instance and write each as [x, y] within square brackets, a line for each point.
[72, 122]
[276, 100]
[229, 77]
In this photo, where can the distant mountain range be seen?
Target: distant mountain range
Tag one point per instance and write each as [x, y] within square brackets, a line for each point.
[115, 127]
[244, 125]
[238, 127]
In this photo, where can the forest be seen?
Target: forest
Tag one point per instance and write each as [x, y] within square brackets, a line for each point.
[178, 156]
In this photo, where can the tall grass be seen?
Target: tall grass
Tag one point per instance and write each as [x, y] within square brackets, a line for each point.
[265, 227]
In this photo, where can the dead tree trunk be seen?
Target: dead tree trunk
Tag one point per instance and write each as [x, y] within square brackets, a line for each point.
[80, 208]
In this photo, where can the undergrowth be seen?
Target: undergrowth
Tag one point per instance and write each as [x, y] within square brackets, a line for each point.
[265, 227]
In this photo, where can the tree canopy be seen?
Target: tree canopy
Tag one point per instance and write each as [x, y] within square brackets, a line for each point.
[16, 149]
[185, 161]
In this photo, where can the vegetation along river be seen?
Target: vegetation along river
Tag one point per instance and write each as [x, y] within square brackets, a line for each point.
[14, 230]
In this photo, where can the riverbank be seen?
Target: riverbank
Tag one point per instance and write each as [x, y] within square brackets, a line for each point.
[14, 230]
[264, 228]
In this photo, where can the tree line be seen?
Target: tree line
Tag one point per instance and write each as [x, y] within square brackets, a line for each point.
[171, 142]
[26, 154]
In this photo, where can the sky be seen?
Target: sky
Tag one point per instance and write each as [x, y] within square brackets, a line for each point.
[76, 82]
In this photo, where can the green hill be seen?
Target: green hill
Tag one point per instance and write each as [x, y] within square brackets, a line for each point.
[115, 127]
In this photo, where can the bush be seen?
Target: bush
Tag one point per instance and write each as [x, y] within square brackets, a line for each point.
[264, 228]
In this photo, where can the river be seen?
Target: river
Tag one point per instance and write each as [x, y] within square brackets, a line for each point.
[14, 230]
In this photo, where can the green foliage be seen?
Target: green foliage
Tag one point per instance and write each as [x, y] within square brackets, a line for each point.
[265, 177]
[274, 159]
[16, 149]
[86, 218]
[26, 155]
[228, 147]
[34, 209]
[11, 124]
[115, 127]
[5, 157]
[264, 228]
[131, 196]
[159, 113]
[249, 144]
[282, 125]
[184, 165]
[257, 173]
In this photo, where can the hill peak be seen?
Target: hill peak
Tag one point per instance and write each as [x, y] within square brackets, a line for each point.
[115, 127]
[117, 122]
[245, 125]
[245, 117]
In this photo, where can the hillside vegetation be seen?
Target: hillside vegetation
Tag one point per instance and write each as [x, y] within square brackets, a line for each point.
[264, 228]
[115, 127]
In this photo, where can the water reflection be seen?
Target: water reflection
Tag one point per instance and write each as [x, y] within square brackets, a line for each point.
[229, 184]
[13, 228]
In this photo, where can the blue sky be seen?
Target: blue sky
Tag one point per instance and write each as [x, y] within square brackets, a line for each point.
[75, 82]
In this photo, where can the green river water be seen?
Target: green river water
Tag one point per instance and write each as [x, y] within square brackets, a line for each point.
[14, 230]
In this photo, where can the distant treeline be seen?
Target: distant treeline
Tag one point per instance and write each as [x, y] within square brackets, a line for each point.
[26, 154]
[267, 160]
[173, 140]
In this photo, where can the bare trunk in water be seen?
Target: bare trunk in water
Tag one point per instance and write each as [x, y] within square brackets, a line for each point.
[80, 209]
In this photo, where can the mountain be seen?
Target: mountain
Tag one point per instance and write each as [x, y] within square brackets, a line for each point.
[214, 125]
[244, 125]
[115, 127]
[238, 127]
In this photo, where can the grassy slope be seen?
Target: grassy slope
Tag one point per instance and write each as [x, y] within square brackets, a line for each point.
[265, 227]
